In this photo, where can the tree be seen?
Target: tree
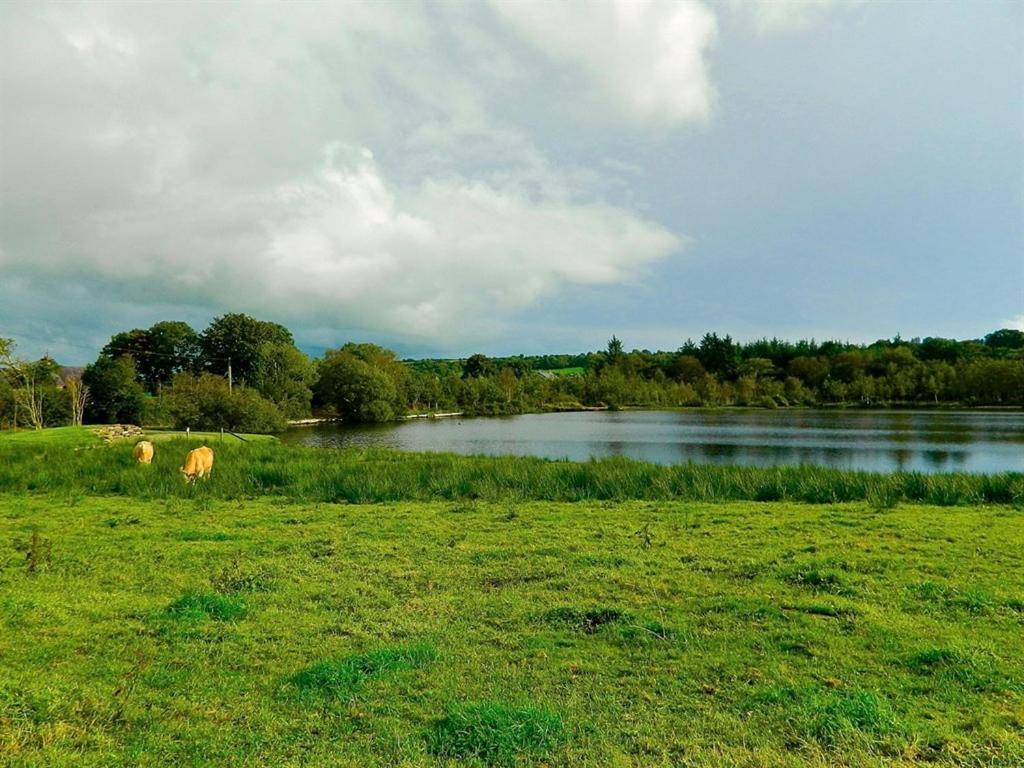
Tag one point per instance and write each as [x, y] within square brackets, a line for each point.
[115, 393]
[719, 355]
[687, 369]
[614, 350]
[285, 376]
[934, 348]
[239, 338]
[355, 389]
[477, 366]
[78, 395]
[160, 352]
[812, 371]
[758, 368]
[31, 383]
[8, 405]
[206, 402]
[1006, 338]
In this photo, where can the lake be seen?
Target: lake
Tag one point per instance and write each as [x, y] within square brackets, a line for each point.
[924, 441]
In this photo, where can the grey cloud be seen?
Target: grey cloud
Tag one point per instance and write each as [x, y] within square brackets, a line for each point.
[211, 157]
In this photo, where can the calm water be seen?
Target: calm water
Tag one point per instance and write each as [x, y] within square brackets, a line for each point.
[928, 441]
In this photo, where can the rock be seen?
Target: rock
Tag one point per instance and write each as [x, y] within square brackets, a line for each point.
[119, 432]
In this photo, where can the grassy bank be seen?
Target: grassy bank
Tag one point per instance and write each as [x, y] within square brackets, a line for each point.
[79, 437]
[248, 470]
[199, 631]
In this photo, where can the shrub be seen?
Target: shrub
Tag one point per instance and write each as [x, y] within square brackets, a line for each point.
[207, 402]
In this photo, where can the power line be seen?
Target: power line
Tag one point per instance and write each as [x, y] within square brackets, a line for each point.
[127, 351]
[160, 354]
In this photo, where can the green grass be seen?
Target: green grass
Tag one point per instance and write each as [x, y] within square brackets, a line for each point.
[305, 475]
[341, 678]
[500, 611]
[57, 437]
[162, 435]
[269, 631]
[196, 606]
[64, 437]
[580, 620]
[494, 733]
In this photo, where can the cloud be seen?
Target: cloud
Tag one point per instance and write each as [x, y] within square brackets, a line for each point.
[453, 250]
[451, 258]
[647, 55]
[348, 167]
[770, 16]
[1016, 323]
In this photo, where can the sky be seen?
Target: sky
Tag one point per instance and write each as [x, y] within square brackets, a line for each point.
[513, 175]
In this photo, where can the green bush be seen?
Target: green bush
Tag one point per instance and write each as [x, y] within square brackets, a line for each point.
[360, 382]
[206, 402]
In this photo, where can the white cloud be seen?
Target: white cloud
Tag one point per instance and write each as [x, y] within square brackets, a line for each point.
[648, 55]
[454, 250]
[769, 16]
[201, 157]
[338, 247]
[1016, 323]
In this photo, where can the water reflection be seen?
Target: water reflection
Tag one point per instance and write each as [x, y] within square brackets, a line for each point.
[924, 441]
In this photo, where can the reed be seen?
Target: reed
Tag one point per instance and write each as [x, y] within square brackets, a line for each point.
[254, 470]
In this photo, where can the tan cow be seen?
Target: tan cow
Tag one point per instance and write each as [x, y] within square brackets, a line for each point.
[143, 452]
[198, 463]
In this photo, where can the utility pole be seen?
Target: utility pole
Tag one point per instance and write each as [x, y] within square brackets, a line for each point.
[230, 382]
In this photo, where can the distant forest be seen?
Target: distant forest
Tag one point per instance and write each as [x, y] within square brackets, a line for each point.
[246, 374]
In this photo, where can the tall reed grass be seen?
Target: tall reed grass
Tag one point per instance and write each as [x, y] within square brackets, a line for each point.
[366, 476]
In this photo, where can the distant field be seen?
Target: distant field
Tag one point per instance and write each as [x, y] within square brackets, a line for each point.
[196, 631]
[573, 371]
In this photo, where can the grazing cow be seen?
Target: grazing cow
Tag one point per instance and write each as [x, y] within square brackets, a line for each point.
[198, 463]
[143, 452]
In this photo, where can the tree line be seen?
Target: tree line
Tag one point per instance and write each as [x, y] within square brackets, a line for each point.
[245, 374]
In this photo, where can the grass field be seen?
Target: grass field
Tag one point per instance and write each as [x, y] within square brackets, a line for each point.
[256, 469]
[247, 621]
[188, 632]
[575, 370]
[87, 436]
